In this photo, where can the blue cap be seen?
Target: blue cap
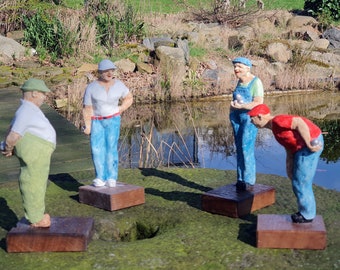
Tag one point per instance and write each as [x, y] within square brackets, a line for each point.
[105, 65]
[242, 60]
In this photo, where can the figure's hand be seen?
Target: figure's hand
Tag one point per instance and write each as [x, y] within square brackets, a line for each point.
[235, 105]
[7, 153]
[87, 130]
[315, 148]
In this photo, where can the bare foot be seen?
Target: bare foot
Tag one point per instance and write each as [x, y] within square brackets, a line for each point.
[44, 223]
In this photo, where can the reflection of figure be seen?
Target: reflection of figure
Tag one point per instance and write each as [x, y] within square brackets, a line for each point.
[102, 120]
[303, 142]
[33, 139]
[248, 94]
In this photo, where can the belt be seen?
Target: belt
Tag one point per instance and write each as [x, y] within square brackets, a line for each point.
[104, 117]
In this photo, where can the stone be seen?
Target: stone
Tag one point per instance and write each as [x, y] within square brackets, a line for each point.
[278, 231]
[226, 201]
[64, 234]
[115, 198]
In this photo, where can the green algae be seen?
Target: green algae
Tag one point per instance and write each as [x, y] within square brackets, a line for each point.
[169, 231]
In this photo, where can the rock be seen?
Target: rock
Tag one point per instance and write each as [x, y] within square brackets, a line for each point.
[144, 67]
[125, 65]
[184, 45]
[173, 67]
[86, 67]
[321, 43]
[10, 49]
[333, 35]
[279, 52]
[299, 21]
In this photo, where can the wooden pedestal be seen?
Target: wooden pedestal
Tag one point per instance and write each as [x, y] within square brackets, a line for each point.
[65, 234]
[119, 197]
[226, 201]
[278, 231]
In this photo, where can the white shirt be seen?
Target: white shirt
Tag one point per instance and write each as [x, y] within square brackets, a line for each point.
[29, 118]
[104, 103]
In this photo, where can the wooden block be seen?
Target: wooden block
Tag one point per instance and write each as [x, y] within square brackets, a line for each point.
[65, 234]
[119, 197]
[278, 231]
[226, 201]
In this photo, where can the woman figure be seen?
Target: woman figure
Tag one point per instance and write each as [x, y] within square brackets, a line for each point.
[101, 114]
[247, 94]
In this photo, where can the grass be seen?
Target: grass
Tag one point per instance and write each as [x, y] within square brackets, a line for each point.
[174, 6]
[169, 231]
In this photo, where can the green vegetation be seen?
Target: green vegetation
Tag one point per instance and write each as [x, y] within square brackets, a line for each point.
[169, 231]
[328, 10]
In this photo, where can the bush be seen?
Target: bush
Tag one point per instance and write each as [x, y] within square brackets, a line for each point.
[48, 34]
[323, 8]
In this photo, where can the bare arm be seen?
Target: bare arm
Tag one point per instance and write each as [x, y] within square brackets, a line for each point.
[126, 103]
[11, 139]
[300, 125]
[87, 113]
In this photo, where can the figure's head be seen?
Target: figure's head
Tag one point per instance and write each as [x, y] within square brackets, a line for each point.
[242, 67]
[34, 90]
[106, 69]
[260, 115]
[34, 85]
[243, 61]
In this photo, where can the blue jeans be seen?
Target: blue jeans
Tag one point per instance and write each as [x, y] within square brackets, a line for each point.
[104, 147]
[245, 136]
[304, 167]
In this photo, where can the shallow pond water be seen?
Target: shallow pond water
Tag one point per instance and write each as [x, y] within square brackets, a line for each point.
[199, 134]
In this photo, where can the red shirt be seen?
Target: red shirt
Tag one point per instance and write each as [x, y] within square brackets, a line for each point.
[289, 138]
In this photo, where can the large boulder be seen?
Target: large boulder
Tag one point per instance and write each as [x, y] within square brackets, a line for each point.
[10, 50]
[173, 67]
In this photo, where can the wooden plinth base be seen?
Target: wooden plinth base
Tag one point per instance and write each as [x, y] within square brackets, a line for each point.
[65, 234]
[119, 197]
[278, 231]
[226, 201]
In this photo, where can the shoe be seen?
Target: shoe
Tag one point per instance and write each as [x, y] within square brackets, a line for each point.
[111, 183]
[243, 186]
[98, 182]
[298, 218]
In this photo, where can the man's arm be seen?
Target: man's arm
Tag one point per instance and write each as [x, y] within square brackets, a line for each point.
[301, 126]
[126, 103]
[87, 113]
[11, 139]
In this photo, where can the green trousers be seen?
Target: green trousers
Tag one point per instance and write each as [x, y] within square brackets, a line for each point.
[34, 155]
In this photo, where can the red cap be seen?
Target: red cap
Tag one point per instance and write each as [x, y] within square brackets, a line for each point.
[259, 109]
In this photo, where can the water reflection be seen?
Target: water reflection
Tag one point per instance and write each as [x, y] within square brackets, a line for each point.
[199, 134]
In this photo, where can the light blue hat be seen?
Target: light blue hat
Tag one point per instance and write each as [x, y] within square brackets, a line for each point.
[105, 65]
[242, 60]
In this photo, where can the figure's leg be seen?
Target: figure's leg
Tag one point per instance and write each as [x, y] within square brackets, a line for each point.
[34, 154]
[235, 123]
[305, 164]
[248, 151]
[112, 159]
[98, 151]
